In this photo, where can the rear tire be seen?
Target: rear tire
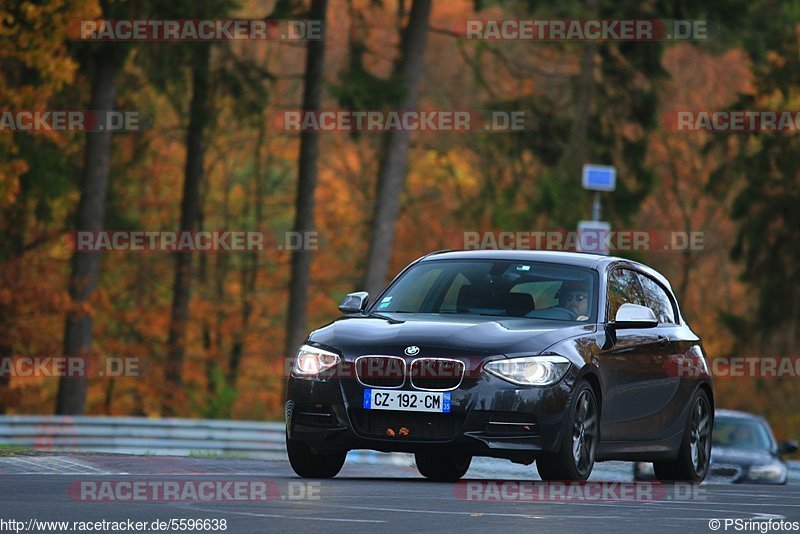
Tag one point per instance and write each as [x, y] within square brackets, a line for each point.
[574, 458]
[309, 464]
[695, 449]
[442, 467]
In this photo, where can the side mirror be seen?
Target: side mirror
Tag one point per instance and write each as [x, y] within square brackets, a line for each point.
[634, 316]
[354, 302]
[788, 447]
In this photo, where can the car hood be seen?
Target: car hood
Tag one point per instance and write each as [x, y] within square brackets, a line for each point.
[444, 335]
[736, 456]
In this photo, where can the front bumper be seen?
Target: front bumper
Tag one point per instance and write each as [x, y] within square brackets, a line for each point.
[489, 417]
[740, 474]
[717, 473]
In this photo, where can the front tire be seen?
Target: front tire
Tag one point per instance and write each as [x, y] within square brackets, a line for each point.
[574, 458]
[309, 464]
[442, 467]
[695, 449]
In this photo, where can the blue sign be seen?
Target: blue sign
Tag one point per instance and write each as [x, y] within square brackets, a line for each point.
[599, 177]
[367, 399]
[446, 403]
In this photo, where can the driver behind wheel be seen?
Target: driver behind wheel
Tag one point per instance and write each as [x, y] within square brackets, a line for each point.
[574, 296]
[743, 437]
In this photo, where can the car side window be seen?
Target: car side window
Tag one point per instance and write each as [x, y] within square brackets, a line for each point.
[623, 288]
[656, 299]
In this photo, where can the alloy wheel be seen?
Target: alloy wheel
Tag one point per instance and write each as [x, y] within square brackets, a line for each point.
[699, 443]
[584, 432]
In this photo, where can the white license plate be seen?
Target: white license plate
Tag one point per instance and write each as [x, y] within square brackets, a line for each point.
[407, 401]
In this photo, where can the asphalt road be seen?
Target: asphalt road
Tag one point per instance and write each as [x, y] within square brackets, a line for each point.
[377, 497]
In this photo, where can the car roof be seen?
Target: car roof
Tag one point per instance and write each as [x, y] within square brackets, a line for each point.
[736, 414]
[581, 259]
[578, 259]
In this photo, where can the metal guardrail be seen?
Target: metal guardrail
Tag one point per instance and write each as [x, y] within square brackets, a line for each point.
[158, 437]
[139, 435]
[185, 437]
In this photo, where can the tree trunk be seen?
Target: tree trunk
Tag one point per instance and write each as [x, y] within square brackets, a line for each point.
[394, 163]
[190, 207]
[306, 186]
[575, 153]
[5, 379]
[249, 268]
[71, 398]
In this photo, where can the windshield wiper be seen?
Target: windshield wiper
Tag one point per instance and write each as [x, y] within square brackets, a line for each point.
[378, 315]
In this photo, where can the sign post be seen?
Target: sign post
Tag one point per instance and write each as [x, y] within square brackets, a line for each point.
[596, 178]
[592, 237]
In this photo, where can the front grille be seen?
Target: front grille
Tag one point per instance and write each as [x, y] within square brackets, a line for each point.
[725, 471]
[381, 371]
[420, 426]
[436, 373]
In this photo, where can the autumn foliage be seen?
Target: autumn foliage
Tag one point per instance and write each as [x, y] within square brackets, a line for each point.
[456, 182]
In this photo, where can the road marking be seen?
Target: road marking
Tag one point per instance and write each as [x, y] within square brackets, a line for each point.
[279, 516]
[784, 491]
[36, 467]
[532, 516]
[48, 465]
[496, 514]
[761, 505]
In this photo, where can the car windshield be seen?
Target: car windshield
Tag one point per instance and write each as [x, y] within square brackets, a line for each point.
[741, 434]
[501, 288]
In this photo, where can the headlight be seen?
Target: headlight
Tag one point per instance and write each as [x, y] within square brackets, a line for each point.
[530, 370]
[311, 361]
[774, 471]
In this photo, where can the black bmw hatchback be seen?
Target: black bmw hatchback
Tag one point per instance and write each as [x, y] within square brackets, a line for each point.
[559, 358]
